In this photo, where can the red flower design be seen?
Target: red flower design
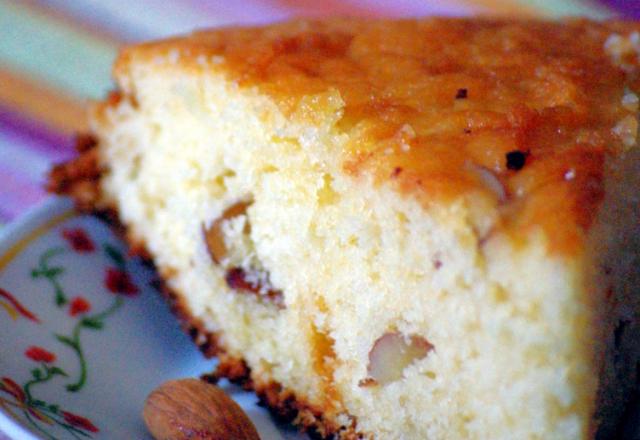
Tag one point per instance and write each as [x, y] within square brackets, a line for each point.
[39, 354]
[78, 306]
[11, 387]
[79, 240]
[79, 421]
[119, 281]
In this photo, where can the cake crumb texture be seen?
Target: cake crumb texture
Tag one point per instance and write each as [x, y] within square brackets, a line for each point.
[391, 229]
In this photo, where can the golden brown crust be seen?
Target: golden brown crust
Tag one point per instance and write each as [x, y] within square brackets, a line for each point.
[429, 102]
[283, 404]
[78, 178]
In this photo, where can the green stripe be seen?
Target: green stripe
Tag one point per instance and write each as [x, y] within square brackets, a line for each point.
[563, 8]
[50, 51]
[80, 63]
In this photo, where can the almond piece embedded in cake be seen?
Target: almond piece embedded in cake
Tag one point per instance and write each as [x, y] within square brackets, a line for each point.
[214, 234]
[391, 354]
[232, 249]
[443, 235]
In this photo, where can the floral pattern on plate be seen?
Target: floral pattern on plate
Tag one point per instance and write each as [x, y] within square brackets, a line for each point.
[84, 336]
[21, 401]
[40, 414]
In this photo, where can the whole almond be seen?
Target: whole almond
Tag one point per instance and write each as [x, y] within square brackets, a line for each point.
[193, 409]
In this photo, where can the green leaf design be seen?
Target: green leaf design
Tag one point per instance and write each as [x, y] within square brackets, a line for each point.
[60, 299]
[52, 272]
[74, 387]
[92, 323]
[66, 340]
[59, 371]
[47, 372]
[115, 255]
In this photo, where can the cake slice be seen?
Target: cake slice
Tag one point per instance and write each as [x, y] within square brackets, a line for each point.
[391, 229]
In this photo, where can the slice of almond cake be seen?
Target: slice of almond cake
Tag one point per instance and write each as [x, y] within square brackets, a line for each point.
[392, 229]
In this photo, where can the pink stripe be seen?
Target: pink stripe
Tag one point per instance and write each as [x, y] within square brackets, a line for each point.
[250, 12]
[16, 193]
[265, 11]
[5, 217]
[36, 136]
[270, 10]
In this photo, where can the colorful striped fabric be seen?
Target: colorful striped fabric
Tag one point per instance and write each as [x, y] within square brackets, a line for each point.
[55, 54]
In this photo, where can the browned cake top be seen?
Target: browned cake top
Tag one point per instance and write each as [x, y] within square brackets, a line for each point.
[524, 111]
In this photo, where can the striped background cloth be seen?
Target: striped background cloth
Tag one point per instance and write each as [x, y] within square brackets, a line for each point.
[56, 54]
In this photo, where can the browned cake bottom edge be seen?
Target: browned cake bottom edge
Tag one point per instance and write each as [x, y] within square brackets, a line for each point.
[283, 403]
[80, 180]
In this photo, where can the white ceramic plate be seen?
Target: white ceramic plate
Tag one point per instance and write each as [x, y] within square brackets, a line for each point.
[84, 337]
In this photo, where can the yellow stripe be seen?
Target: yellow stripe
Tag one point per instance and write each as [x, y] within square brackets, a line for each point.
[511, 8]
[36, 101]
[27, 239]
[4, 404]
[12, 313]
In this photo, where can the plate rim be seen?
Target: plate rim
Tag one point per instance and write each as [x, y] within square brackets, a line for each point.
[31, 219]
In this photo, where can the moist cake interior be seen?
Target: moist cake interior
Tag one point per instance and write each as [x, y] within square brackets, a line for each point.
[421, 229]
